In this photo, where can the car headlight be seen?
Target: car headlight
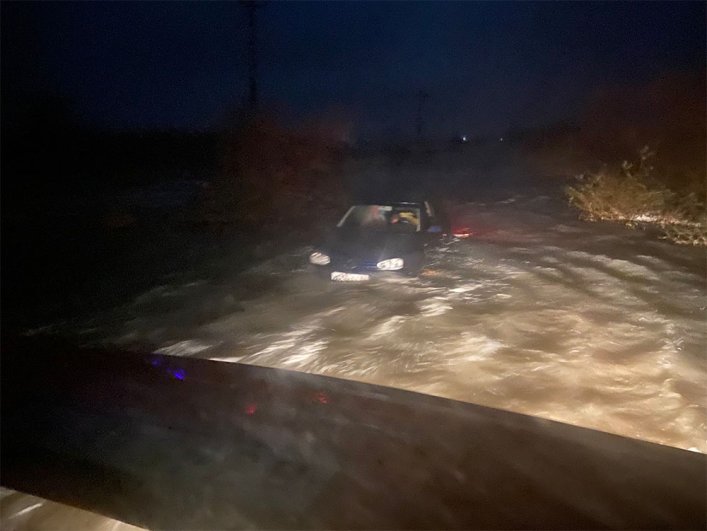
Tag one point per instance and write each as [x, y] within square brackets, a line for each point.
[392, 264]
[318, 258]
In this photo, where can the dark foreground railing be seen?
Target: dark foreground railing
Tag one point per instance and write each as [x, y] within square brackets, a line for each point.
[178, 443]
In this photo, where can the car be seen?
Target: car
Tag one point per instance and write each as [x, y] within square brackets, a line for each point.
[375, 239]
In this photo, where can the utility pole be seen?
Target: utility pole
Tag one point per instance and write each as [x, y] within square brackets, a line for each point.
[422, 97]
[251, 7]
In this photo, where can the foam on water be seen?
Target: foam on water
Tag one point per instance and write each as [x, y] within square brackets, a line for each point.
[589, 324]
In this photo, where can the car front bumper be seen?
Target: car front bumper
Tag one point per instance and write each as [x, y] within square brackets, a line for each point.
[354, 273]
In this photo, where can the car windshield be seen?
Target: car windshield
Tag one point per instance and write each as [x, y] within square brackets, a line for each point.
[392, 218]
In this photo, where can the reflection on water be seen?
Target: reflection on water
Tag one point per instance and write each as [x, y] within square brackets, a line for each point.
[589, 324]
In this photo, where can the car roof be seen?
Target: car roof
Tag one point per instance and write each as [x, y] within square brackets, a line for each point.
[392, 203]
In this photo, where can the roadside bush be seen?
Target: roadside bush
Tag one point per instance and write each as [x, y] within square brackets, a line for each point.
[686, 221]
[629, 194]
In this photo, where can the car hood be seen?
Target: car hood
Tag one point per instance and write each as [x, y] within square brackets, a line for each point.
[371, 245]
[326, 453]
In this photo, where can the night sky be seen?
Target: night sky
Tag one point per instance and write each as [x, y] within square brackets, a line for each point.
[488, 66]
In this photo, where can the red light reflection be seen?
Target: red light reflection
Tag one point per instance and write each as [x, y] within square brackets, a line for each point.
[322, 397]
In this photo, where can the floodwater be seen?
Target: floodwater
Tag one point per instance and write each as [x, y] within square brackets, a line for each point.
[589, 324]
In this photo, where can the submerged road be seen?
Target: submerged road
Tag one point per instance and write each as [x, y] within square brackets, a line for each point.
[538, 313]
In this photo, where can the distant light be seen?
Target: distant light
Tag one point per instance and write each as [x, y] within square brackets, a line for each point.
[251, 408]
[500, 139]
[464, 139]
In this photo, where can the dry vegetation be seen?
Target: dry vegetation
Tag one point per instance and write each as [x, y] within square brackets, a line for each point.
[629, 194]
[664, 187]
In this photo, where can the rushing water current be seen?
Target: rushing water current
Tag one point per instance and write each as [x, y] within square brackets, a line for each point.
[590, 324]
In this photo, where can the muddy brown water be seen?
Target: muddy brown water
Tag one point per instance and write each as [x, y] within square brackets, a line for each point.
[590, 324]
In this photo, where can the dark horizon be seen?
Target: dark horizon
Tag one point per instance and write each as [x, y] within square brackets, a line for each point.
[488, 67]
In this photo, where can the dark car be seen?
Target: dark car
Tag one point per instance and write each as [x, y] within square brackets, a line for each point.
[377, 238]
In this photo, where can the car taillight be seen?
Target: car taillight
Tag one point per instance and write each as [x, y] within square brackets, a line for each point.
[462, 232]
